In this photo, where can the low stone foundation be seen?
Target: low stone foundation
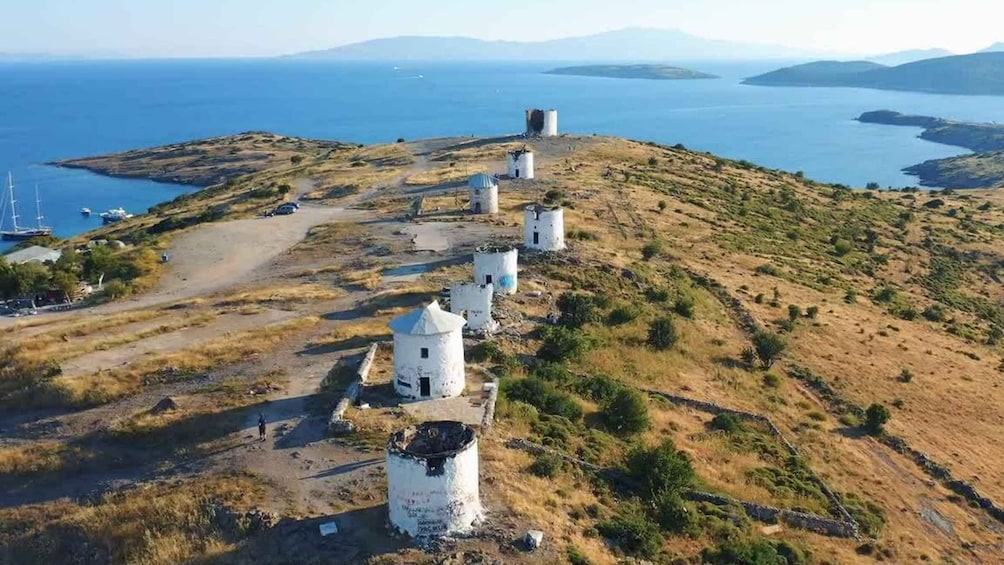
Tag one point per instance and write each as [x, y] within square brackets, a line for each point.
[337, 424]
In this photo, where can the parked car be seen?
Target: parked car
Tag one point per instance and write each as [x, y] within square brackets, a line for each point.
[285, 209]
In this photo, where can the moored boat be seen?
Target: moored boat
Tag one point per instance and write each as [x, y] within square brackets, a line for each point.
[18, 233]
[115, 215]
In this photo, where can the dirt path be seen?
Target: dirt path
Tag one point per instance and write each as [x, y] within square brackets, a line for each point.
[216, 256]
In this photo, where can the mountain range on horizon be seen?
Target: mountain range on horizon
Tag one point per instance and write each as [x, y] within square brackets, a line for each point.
[628, 44]
[622, 45]
[635, 44]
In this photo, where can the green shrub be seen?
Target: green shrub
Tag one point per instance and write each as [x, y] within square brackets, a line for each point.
[768, 269]
[771, 380]
[296, 159]
[769, 347]
[684, 306]
[554, 373]
[794, 312]
[753, 552]
[672, 514]
[876, 417]
[576, 310]
[870, 516]
[622, 315]
[484, 351]
[905, 376]
[577, 557]
[562, 344]
[633, 532]
[758, 298]
[851, 296]
[650, 250]
[657, 294]
[598, 388]
[662, 206]
[727, 422]
[116, 289]
[884, 294]
[662, 334]
[626, 412]
[748, 357]
[546, 466]
[544, 396]
[812, 312]
[660, 470]
[842, 247]
[553, 195]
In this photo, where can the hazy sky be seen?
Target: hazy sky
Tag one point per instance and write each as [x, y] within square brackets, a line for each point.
[192, 28]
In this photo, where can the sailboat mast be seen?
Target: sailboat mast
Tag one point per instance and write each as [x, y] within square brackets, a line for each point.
[38, 208]
[13, 210]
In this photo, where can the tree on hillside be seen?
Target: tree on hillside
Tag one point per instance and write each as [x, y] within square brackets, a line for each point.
[661, 470]
[769, 347]
[626, 412]
[875, 418]
[662, 334]
[576, 310]
[66, 283]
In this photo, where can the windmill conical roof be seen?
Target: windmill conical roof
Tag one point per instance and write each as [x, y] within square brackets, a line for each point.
[482, 180]
[430, 320]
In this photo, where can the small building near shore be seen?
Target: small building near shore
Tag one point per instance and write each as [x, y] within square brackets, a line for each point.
[33, 254]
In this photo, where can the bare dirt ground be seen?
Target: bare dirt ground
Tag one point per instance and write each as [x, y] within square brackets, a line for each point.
[219, 255]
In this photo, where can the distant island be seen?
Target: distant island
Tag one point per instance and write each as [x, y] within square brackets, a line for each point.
[909, 56]
[975, 74]
[982, 169]
[651, 72]
[631, 44]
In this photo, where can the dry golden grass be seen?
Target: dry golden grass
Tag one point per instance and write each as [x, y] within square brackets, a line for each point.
[39, 457]
[57, 346]
[106, 386]
[281, 296]
[156, 524]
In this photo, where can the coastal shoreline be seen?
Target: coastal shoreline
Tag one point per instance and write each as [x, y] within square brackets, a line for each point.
[983, 168]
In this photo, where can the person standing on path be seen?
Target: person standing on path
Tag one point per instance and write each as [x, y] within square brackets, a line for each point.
[261, 426]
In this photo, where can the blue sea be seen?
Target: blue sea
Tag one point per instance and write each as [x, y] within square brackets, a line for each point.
[56, 110]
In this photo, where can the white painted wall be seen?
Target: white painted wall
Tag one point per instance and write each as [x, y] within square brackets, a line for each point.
[549, 225]
[424, 505]
[488, 198]
[502, 268]
[474, 301]
[444, 366]
[520, 166]
[550, 123]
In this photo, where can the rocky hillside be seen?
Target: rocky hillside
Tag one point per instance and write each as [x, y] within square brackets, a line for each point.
[984, 169]
[729, 364]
